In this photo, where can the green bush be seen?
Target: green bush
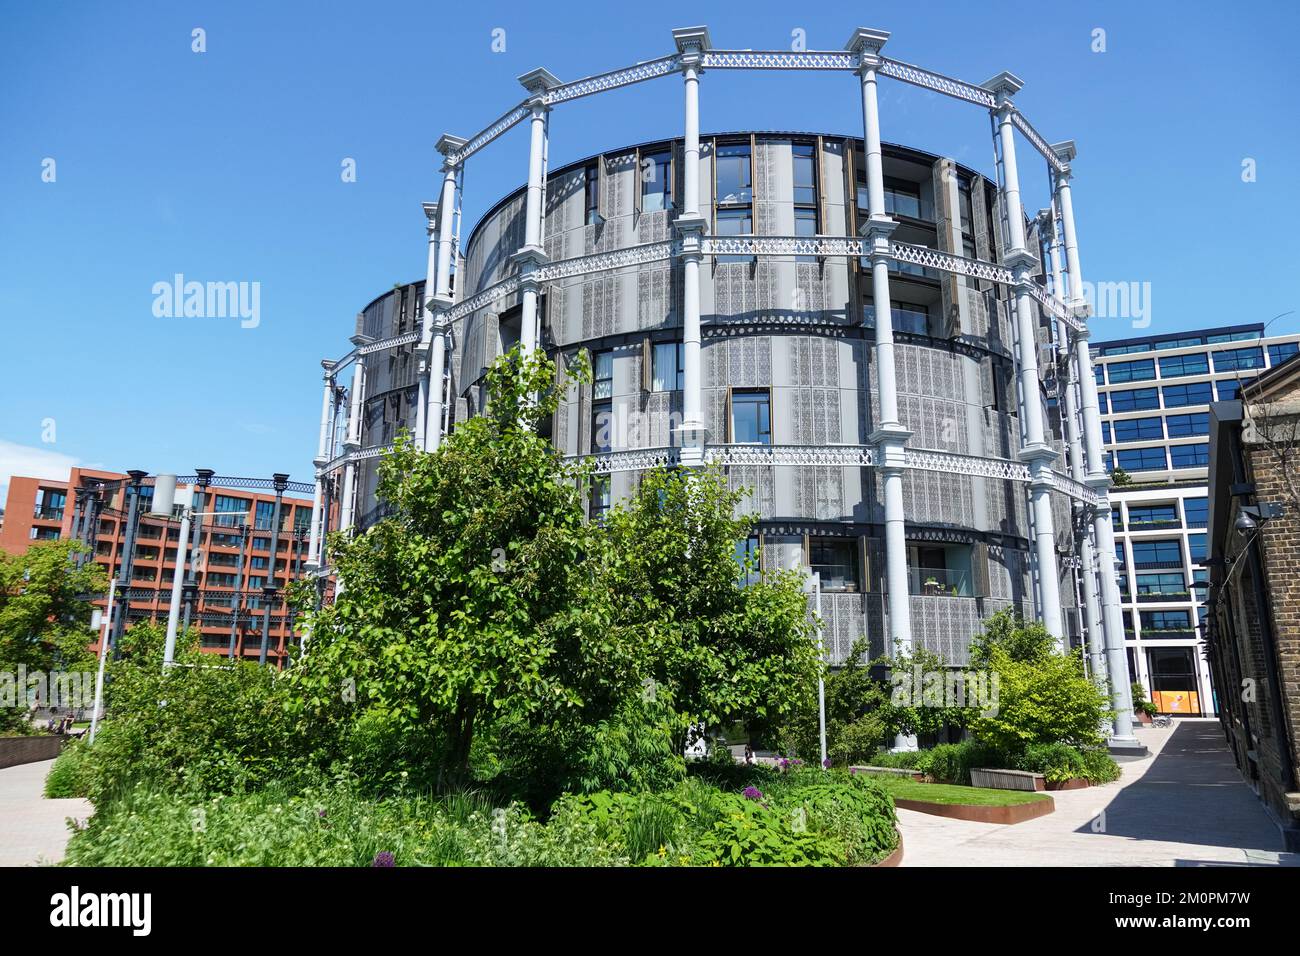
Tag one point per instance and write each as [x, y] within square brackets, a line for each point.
[952, 763]
[208, 725]
[1141, 703]
[857, 817]
[1044, 696]
[70, 776]
[1056, 762]
[1098, 765]
[905, 759]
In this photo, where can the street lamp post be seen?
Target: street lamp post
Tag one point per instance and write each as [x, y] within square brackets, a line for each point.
[103, 655]
[164, 499]
[815, 585]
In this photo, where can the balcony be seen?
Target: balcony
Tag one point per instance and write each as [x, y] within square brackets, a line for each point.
[48, 514]
[1149, 597]
[1161, 525]
[939, 582]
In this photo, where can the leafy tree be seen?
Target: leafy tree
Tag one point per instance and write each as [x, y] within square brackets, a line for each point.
[723, 649]
[855, 703]
[472, 607]
[909, 709]
[1044, 696]
[45, 613]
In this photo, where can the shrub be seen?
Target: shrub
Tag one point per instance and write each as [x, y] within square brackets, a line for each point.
[1098, 765]
[1044, 695]
[905, 759]
[206, 725]
[1056, 762]
[1141, 704]
[857, 816]
[952, 763]
[70, 774]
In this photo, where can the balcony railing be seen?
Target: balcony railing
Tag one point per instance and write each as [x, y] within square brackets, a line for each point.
[48, 514]
[1163, 523]
[1153, 596]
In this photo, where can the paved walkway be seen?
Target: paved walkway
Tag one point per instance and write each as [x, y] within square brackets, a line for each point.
[1185, 805]
[34, 830]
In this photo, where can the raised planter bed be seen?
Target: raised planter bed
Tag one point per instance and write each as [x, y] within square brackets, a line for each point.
[991, 779]
[895, 858]
[1016, 813]
[905, 772]
[1074, 783]
[16, 750]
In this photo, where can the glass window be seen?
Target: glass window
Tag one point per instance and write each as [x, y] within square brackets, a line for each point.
[1172, 366]
[592, 189]
[1198, 393]
[600, 496]
[1137, 429]
[747, 553]
[902, 199]
[1190, 456]
[1234, 360]
[231, 511]
[1139, 371]
[1279, 353]
[1180, 426]
[1126, 349]
[1166, 583]
[602, 414]
[735, 222]
[1196, 512]
[751, 418]
[602, 370]
[1105, 433]
[1150, 514]
[1099, 373]
[1196, 544]
[735, 185]
[668, 372]
[1134, 400]
[1230, 388]
[1141, 459]
[1166, 620]
[836, 560]
[805, 174]
[805, 224]
[656, 181]
[1164, 553]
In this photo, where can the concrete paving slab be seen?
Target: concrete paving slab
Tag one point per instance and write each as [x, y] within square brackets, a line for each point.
[34, 830]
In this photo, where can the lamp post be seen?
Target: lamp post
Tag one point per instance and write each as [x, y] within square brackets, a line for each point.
[103, 655]
[164, 498]
[815, 585]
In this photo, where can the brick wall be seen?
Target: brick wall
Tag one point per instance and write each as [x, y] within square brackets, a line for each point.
[16, 750]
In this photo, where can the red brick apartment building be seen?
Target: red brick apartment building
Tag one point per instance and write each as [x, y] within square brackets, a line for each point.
[228, 601]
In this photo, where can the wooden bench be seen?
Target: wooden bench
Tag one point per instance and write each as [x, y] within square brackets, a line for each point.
[908, 772]
[1007, 779]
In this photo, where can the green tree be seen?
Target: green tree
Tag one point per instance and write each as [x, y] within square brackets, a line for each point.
[926, 707]
[855, 704]
[725, 646]
[1043, 694]
[45, 613]
[472, 607]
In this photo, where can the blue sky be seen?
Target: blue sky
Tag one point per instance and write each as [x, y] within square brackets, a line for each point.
[225, 166]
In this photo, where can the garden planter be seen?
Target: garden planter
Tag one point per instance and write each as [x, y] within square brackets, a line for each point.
[1143, 717]
[895, 858]
[16, 750]
[980, 814]
[1074, 783]
[891, 771]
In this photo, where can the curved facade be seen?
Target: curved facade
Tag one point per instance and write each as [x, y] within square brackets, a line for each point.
[934, 468]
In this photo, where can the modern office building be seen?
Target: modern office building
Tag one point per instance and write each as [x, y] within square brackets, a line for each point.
[1155, 393]
[878, 342]
[226, 595]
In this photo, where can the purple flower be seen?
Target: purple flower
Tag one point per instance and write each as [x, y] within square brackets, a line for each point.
[784, 763]
[827, 763]
[798, 762]
[752, 793]
[383, 858]
[852, 771]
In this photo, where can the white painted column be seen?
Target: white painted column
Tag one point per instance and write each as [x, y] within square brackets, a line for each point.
[1036, 453]
[531, 256]
[352, 442]
[320, 461]
[691, 226]
[889, 436]
[1111, 612]
[1070, 413]
[437, 289]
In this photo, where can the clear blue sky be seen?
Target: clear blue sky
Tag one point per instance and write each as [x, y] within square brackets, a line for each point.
[225, 166]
